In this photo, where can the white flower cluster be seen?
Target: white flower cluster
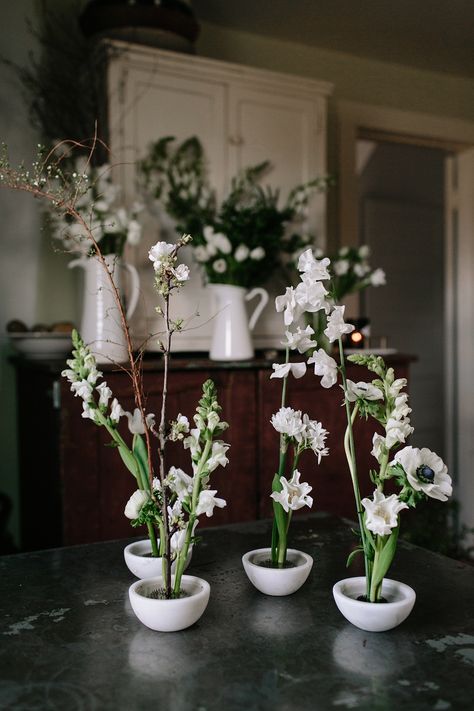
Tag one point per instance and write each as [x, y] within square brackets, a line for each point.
[83, 375]
[98, 204]
[219, 248]
[168, 274]
[301, 431]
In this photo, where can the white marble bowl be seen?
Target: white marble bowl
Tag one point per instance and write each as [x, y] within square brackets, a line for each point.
[277, 581]
[374, 616]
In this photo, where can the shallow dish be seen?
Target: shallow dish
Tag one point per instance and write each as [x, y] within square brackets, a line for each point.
[42, 344]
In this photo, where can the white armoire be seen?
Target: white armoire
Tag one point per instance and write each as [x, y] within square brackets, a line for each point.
[242, 116]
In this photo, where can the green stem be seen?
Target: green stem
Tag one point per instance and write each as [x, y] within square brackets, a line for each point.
[374, 592]
[152, 537]
[278, 537]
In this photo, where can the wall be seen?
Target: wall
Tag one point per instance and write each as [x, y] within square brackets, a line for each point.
[35, 283]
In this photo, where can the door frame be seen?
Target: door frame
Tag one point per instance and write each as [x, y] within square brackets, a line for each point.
[355, 121]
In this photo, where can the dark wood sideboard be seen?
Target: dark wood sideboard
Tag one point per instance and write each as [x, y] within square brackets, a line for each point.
[73, 487]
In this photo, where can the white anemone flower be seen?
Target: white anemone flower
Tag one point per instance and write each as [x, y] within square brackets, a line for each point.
[241, 253]
[135, 504]
[207, 501]
[289, 422]
[425, 472]
[311, 295]
[257, 254]
[282, 370]
[218, 456]
[294, 494]
[336, 326]
[378, 278]
[381, 512]
[299, 340]
[363, 390]
[135, 422]
[219, 266]
[287, 303]
[324, 365]
[160, 252]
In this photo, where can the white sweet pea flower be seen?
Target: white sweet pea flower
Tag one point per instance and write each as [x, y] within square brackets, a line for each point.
[82, 389]
[425, 472]
[135, 504]
[311, 295]
[219, 266]
[397, 431]
[336, 326]
[282, 370]
[366, 391]
[180, 482]
[317, 268]
[207, 501]
[241, 253]
[116, 411]
[381, 512]
[378, 278]
[287, 303]
[294, 495]
[135, 422]
[218, 456]
[257, 254]
[341, 267]
[299, 340]
[201, 254]
[379, 447]
[324, 365]
[181, 273]
[159, 252]
[288, 422]
[105, 393]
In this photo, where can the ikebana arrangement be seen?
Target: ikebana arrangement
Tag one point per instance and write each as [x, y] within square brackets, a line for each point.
[170, 504]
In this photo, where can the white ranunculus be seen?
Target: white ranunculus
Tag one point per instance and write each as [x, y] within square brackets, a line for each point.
[201, 254]
[425, 472]
[366, 391]
[222, 242]
[379, 447]
[299, 340]
[135, 422]
[181, 273]
[105, 393]
[397, 431]
[257, 254]
[207, 501]
[288, 421]
[317, 268]
[241, 253]
[381, 512]
[116, 410]
[311, 295]
[324, 365]
[219, 266]
[135, 504]
[378, 278]
[287, 303]
[282, 370]
[336, 326]
[294, 494]
[180, 482]
[218, 456]
[159, 252]
[341, 267]
[82, 389]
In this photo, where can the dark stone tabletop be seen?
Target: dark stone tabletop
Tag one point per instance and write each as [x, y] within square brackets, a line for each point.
[70, 641]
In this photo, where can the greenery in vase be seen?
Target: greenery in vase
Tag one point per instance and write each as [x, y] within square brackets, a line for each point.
[172, 502]
[419, 474]
[236, 242]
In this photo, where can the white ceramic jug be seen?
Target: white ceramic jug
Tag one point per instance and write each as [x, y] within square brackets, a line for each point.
[101, 326]
[231, 338]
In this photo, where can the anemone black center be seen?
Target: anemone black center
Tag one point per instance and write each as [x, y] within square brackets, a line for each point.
[425, 473]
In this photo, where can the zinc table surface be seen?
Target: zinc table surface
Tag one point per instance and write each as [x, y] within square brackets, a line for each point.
[69, 639]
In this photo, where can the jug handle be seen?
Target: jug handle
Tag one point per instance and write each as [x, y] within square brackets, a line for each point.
[260, 306]
[134, 289]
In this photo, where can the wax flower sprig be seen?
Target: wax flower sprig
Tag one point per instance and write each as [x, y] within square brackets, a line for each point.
[297, 431]
[419, 473]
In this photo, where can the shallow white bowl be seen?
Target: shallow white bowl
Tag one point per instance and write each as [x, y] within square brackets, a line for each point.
[41, 344]
[374, 616]
[277, 581]
[147, 567]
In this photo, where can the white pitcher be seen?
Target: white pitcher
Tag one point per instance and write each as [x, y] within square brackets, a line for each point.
[231, 338]
[101, 325]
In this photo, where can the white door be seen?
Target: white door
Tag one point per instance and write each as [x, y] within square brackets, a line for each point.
[460, 328]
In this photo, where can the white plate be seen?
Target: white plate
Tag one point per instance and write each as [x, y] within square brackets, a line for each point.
[41, 344]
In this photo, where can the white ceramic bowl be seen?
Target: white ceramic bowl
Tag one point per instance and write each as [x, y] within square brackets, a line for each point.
[374, 616]
[42, 344]
[277, 581]
[169, 615]
[144, 566]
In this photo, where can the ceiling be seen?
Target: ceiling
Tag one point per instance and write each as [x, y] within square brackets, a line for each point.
[436, 35]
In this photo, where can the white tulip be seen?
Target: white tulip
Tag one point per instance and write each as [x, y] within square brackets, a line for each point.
[135, 504]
